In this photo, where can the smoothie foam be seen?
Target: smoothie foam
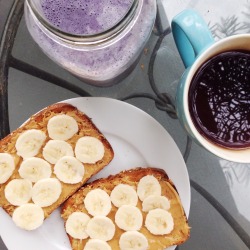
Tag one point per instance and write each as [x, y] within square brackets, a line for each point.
[85, 17]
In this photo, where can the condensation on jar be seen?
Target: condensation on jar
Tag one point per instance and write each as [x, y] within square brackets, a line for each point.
[103, 47]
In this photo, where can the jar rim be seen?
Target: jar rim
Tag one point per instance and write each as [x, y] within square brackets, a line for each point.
[90, 38]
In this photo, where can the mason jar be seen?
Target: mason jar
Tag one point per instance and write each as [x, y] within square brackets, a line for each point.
[99, 41]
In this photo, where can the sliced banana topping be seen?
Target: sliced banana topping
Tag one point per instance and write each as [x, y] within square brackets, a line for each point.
[30, 142]
[97, 202]
[89, 149]
[7, 166]
[129, 218]
[76, 225]
[69, 170]
[56, 149]
[101, 227]
[18, 191]
[155, 201]
[148, 185]
[35, 169]
[46, 191]
[133, 240]
[28, 216]
[159, 222]
[62, 127]
[95, 244]
[124, 194]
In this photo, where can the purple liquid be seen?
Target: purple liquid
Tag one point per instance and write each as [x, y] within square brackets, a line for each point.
[219, 99]
[107, 62]
[85, 17]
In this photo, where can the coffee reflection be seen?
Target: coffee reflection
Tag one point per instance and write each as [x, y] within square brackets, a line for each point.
[219, 99]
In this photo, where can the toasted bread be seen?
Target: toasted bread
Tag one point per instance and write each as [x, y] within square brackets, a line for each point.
[39, 121]
[178, 235]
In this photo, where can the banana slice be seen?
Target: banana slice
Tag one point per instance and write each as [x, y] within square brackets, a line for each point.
[46, 191]
[56, 149]
[129, 218]
[28, 216]
[30, 142]
[7, 166]
[159, 222]
[89, 149]
[124, 194]
[62, 127]
[95, 244]
[34, 169]
[18, 192]
[76, 225]
[69, 170]
[101, 228]
[133, 240]
[155, 201]
[97, 202]
[148, 185]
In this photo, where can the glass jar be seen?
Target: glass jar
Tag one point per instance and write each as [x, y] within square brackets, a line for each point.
[99, 41]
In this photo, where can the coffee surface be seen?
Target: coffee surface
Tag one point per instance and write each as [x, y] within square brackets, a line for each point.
[219, 99]
[85, 17]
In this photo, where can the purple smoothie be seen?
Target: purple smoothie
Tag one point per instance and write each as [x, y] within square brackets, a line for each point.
[85, 17]
[105, 62]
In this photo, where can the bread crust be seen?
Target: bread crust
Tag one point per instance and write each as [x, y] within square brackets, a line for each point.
[181, 231]
[39, 121]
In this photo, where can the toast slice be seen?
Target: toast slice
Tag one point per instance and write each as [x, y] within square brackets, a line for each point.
[39, 121]
[180, 232]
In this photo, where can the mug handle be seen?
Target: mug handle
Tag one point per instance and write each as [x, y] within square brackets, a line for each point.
[191, 35]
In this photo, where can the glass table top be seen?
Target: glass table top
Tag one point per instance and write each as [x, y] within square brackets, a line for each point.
[220, 190]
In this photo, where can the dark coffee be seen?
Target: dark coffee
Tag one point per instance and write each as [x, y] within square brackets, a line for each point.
[219, 99]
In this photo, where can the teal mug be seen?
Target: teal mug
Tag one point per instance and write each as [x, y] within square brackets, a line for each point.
[197, 48]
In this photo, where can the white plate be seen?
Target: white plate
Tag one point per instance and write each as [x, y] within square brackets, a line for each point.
[137, 140]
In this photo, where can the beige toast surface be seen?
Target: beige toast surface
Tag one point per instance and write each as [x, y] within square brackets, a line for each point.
[179, 234]
[39, 121]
